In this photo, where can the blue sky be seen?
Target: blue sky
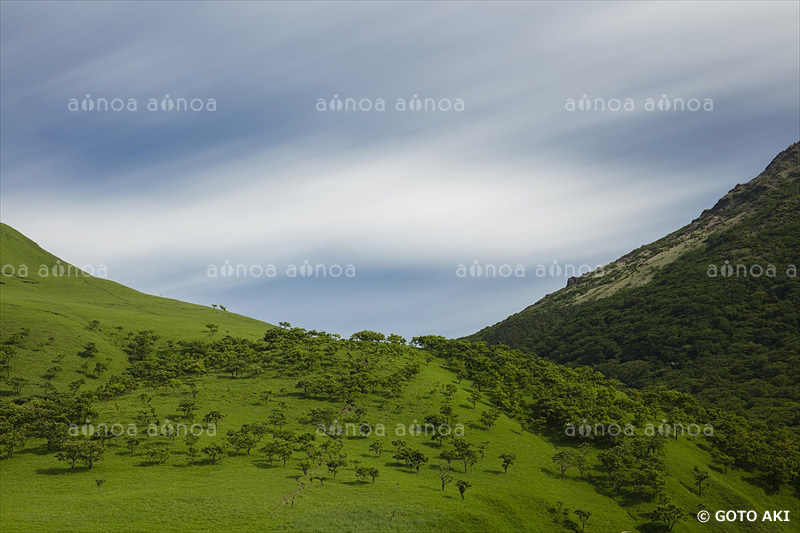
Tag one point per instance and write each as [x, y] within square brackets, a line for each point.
[514, 178]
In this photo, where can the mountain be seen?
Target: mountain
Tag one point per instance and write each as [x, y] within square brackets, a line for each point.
[712, 309]
[125, 412]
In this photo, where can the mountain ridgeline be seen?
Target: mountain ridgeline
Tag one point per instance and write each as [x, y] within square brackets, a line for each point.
[712, 309]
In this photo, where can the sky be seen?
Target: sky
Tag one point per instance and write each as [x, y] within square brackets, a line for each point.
[547, 133]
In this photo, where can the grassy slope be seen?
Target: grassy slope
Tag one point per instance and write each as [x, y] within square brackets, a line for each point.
[61, 307]
[243, 493]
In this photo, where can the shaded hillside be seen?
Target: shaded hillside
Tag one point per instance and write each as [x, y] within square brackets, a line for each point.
[672, 312]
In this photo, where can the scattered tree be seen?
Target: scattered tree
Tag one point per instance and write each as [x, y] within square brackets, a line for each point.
[463, 485]
[564, 459]
[508, 460]
[583, 516]
[215, 451]
[700, 477]
[444, 475]
[377, 447]
[488, 418]
[669, 514]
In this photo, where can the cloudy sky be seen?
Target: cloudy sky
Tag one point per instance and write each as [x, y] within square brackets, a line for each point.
[269, 172]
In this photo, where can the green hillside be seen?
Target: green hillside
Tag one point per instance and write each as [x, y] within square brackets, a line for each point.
[52, 305]
[712, 309]
[259, 394]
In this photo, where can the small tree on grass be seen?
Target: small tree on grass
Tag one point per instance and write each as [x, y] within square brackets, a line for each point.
[580, 460]
[270, 449]
[131, 443]
[241, 440]
[76, 385]
[91, 452]
[449, 455]
[474, 397]
[99, 368]
[482, 447]
[444, 475]
[564, 459]
[191, 453]
[213, 418]
[463, 485]
[583, 516]
[284, 450]
[70, 453]
[266, 396]
[377, 447]
[212, 328]
[417, 459]
[335, 464]
[488, 418]
[17, 383]
[215, 451]
[6, 355]
[469, 457]
[374, 473]
[306, 465]
[277, 420]
[258, 430]
[700, 477]
[157, 452]
[99, 483]
[508, 460]
[361, 473]
[89, 350]
[669, 514]
[725, 460]
[188, 407]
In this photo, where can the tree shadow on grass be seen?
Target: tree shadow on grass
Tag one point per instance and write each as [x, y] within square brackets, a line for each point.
[263, 463]
[493, 471]
[147, 463]
[55, 471]
[703, 447]
[761, 481]
[551, 473]
[37, 450]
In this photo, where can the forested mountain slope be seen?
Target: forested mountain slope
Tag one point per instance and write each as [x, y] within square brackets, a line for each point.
[712, 309]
